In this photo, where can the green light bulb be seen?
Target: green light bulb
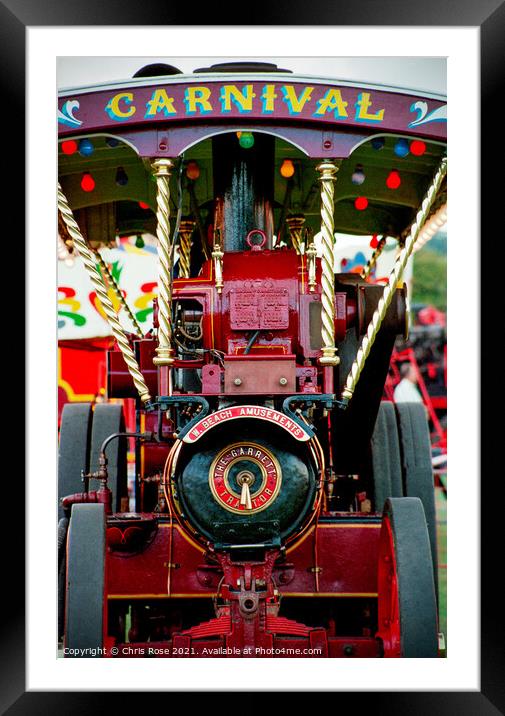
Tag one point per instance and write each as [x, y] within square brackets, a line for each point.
[246, 140]
[139, 242]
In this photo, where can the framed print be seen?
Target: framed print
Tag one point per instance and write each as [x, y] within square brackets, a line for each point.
[24, 687]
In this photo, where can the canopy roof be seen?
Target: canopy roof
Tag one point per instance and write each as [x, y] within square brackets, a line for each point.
[368, 129]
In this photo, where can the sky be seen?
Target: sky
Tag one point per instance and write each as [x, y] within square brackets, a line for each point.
[426, 73]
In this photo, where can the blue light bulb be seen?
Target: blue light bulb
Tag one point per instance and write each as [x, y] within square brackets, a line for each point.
[86, 148]
[401, 148]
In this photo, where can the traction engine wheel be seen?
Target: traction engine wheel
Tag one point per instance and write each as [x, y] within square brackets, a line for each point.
[415, 449]
[82, 433]
[386, 459]
[84, 617]
[62, 546]
[108, 418]
[74, 448]
[406, 588]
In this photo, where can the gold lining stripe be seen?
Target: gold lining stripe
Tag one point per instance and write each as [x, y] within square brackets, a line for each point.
[212, 595]
[329, 594]
[325, 525]
[209, 595]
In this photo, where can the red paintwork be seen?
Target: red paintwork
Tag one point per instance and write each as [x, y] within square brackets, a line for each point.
[389, 607]
[103, 495]
[247, 303]
[337, 545]
[246, 595]
[81, 370]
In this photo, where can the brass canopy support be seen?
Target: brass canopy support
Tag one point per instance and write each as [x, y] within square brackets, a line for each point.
[89, 260]
[327, 171]
[311, 254]
[218, 256]
[164, 352]
[394, 278]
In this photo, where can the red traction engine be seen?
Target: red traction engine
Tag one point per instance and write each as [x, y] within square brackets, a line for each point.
[279, 509]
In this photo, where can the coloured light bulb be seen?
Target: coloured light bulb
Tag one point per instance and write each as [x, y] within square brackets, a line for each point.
[361, 203]
[287, 169]
[246, 140]
[417, 148]
[69, 147]
[86, 148]
[192, 170]
[358, 175]
[87, 182]
[401, 148]
[393, 180]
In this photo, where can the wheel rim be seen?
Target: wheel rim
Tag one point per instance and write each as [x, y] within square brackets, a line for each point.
[389, 604]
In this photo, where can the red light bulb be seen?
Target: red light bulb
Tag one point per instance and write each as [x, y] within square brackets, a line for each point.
[417, 148]
[87, 182]
[143, 205]
[374, 242]
[192, 170]
[393, 181]
[69, 147]
[361, 203]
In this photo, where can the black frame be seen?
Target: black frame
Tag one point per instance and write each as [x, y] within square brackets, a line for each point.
[489, 15]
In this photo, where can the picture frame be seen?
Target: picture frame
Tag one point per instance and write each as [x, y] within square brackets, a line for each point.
[491, 19]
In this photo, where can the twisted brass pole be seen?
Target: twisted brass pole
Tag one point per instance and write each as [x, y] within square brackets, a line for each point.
[295, 224]
[327, 171]
[390, 288]
[113, 283]
[164, 352]
[186, 229]
[88, 258]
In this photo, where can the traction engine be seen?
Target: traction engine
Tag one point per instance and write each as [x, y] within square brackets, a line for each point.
[280, 506]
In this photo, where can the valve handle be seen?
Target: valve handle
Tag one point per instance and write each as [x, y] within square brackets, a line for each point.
[256, 247]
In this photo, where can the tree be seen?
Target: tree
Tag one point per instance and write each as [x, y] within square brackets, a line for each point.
[429, 280]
